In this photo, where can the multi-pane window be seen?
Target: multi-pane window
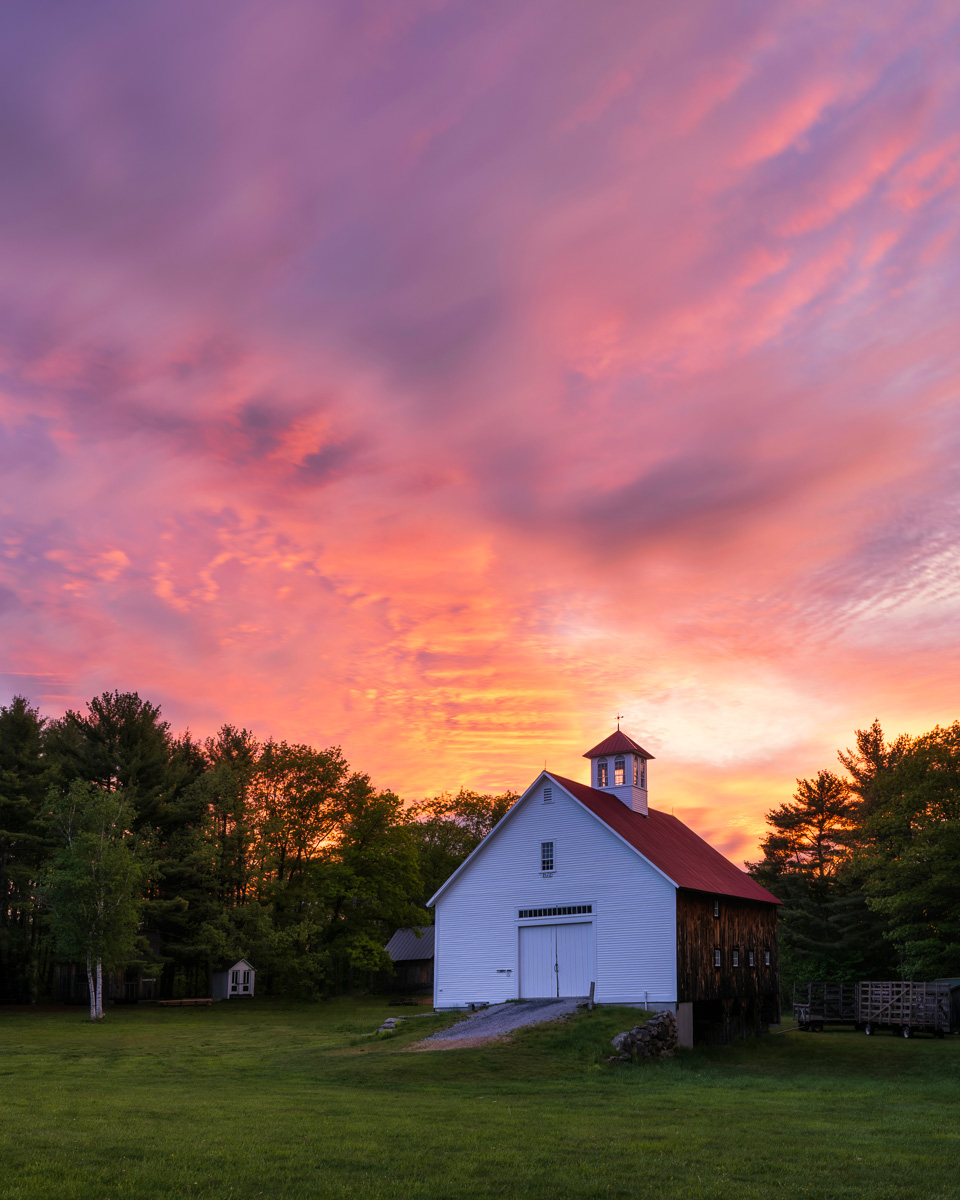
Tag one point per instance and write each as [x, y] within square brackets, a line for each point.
[716, 908]
[736, 958]
[643, 772]
[751, 962]
[602, 773]
[619, 773]
[558, 910]
[716, 957]
[546, 856]
[766, 958]
[636, 771]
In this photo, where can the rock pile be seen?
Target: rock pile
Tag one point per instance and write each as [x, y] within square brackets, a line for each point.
[390, 1024]
[656, 1039]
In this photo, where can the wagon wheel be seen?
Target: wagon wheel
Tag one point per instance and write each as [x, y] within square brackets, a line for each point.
[868, 1028]
[907, 1031]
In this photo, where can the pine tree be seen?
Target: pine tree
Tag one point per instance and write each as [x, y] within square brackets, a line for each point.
[24, 845]
[910, 852]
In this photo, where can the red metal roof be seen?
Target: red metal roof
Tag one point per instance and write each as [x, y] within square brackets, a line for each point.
[617, 743]
[681, 855]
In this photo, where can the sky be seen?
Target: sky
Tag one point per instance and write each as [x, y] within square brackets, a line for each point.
[440, 380]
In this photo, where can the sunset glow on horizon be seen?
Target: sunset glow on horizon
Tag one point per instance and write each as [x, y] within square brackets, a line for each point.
[440, 380]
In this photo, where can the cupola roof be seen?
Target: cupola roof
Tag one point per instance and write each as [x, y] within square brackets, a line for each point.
[617, 743]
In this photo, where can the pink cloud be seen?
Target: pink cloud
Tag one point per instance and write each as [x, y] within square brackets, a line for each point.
[442, 384]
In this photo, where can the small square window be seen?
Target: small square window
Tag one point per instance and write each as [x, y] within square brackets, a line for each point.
[716, 957]
[736, 958]
[546, 856]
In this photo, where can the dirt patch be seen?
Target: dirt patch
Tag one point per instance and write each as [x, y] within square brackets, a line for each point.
[452, 1043]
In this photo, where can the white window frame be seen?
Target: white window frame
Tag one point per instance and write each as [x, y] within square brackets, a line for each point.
[548, 858]
[619, 772]
[603, 773]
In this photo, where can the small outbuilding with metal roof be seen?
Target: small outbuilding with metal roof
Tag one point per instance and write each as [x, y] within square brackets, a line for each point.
[411, 951]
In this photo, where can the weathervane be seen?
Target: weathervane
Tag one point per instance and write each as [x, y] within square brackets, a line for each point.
[619, 719]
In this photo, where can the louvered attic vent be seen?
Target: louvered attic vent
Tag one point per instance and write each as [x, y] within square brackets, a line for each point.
[548, 795]
[564, 910]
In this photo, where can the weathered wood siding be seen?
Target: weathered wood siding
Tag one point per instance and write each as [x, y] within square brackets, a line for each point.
[741, 925]
[633, 931]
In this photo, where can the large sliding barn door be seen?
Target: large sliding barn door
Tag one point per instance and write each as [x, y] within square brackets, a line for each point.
[538, 961]
[573, 960]
[554, 960]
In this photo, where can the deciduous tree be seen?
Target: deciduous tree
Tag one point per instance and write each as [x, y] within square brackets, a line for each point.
[93, 882]
[448, 828]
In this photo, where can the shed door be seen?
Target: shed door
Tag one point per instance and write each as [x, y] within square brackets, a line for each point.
[554, 960]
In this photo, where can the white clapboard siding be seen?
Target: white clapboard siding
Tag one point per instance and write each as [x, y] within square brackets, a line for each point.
[633, 938]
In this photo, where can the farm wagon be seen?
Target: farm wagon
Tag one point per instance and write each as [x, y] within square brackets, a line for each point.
[871, 1005]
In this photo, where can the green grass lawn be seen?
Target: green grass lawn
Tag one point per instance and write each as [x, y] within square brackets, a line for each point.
[285, 1101]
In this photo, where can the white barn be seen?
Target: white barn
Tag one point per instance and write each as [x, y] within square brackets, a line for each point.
[587, 885]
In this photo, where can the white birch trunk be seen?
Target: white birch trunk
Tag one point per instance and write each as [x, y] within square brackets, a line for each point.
[99, 989]
[92, 990]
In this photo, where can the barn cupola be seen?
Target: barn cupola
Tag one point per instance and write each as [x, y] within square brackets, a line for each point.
[619, 765]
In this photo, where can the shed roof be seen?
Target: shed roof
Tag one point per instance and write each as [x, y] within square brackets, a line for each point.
[230, 964]
[617, 743]
[682, 855]
[406, 945]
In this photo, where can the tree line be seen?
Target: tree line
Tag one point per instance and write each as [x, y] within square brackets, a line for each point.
[125, 846]
[867, 862]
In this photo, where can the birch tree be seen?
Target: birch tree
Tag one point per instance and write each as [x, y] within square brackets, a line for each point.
[93, 884]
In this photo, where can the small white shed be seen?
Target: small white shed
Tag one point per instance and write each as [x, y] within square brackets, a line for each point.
[233, 979]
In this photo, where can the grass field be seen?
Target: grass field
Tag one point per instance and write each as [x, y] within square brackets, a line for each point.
[286, 1101]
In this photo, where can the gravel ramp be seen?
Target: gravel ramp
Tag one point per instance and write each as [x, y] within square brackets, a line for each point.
[501, 1019]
